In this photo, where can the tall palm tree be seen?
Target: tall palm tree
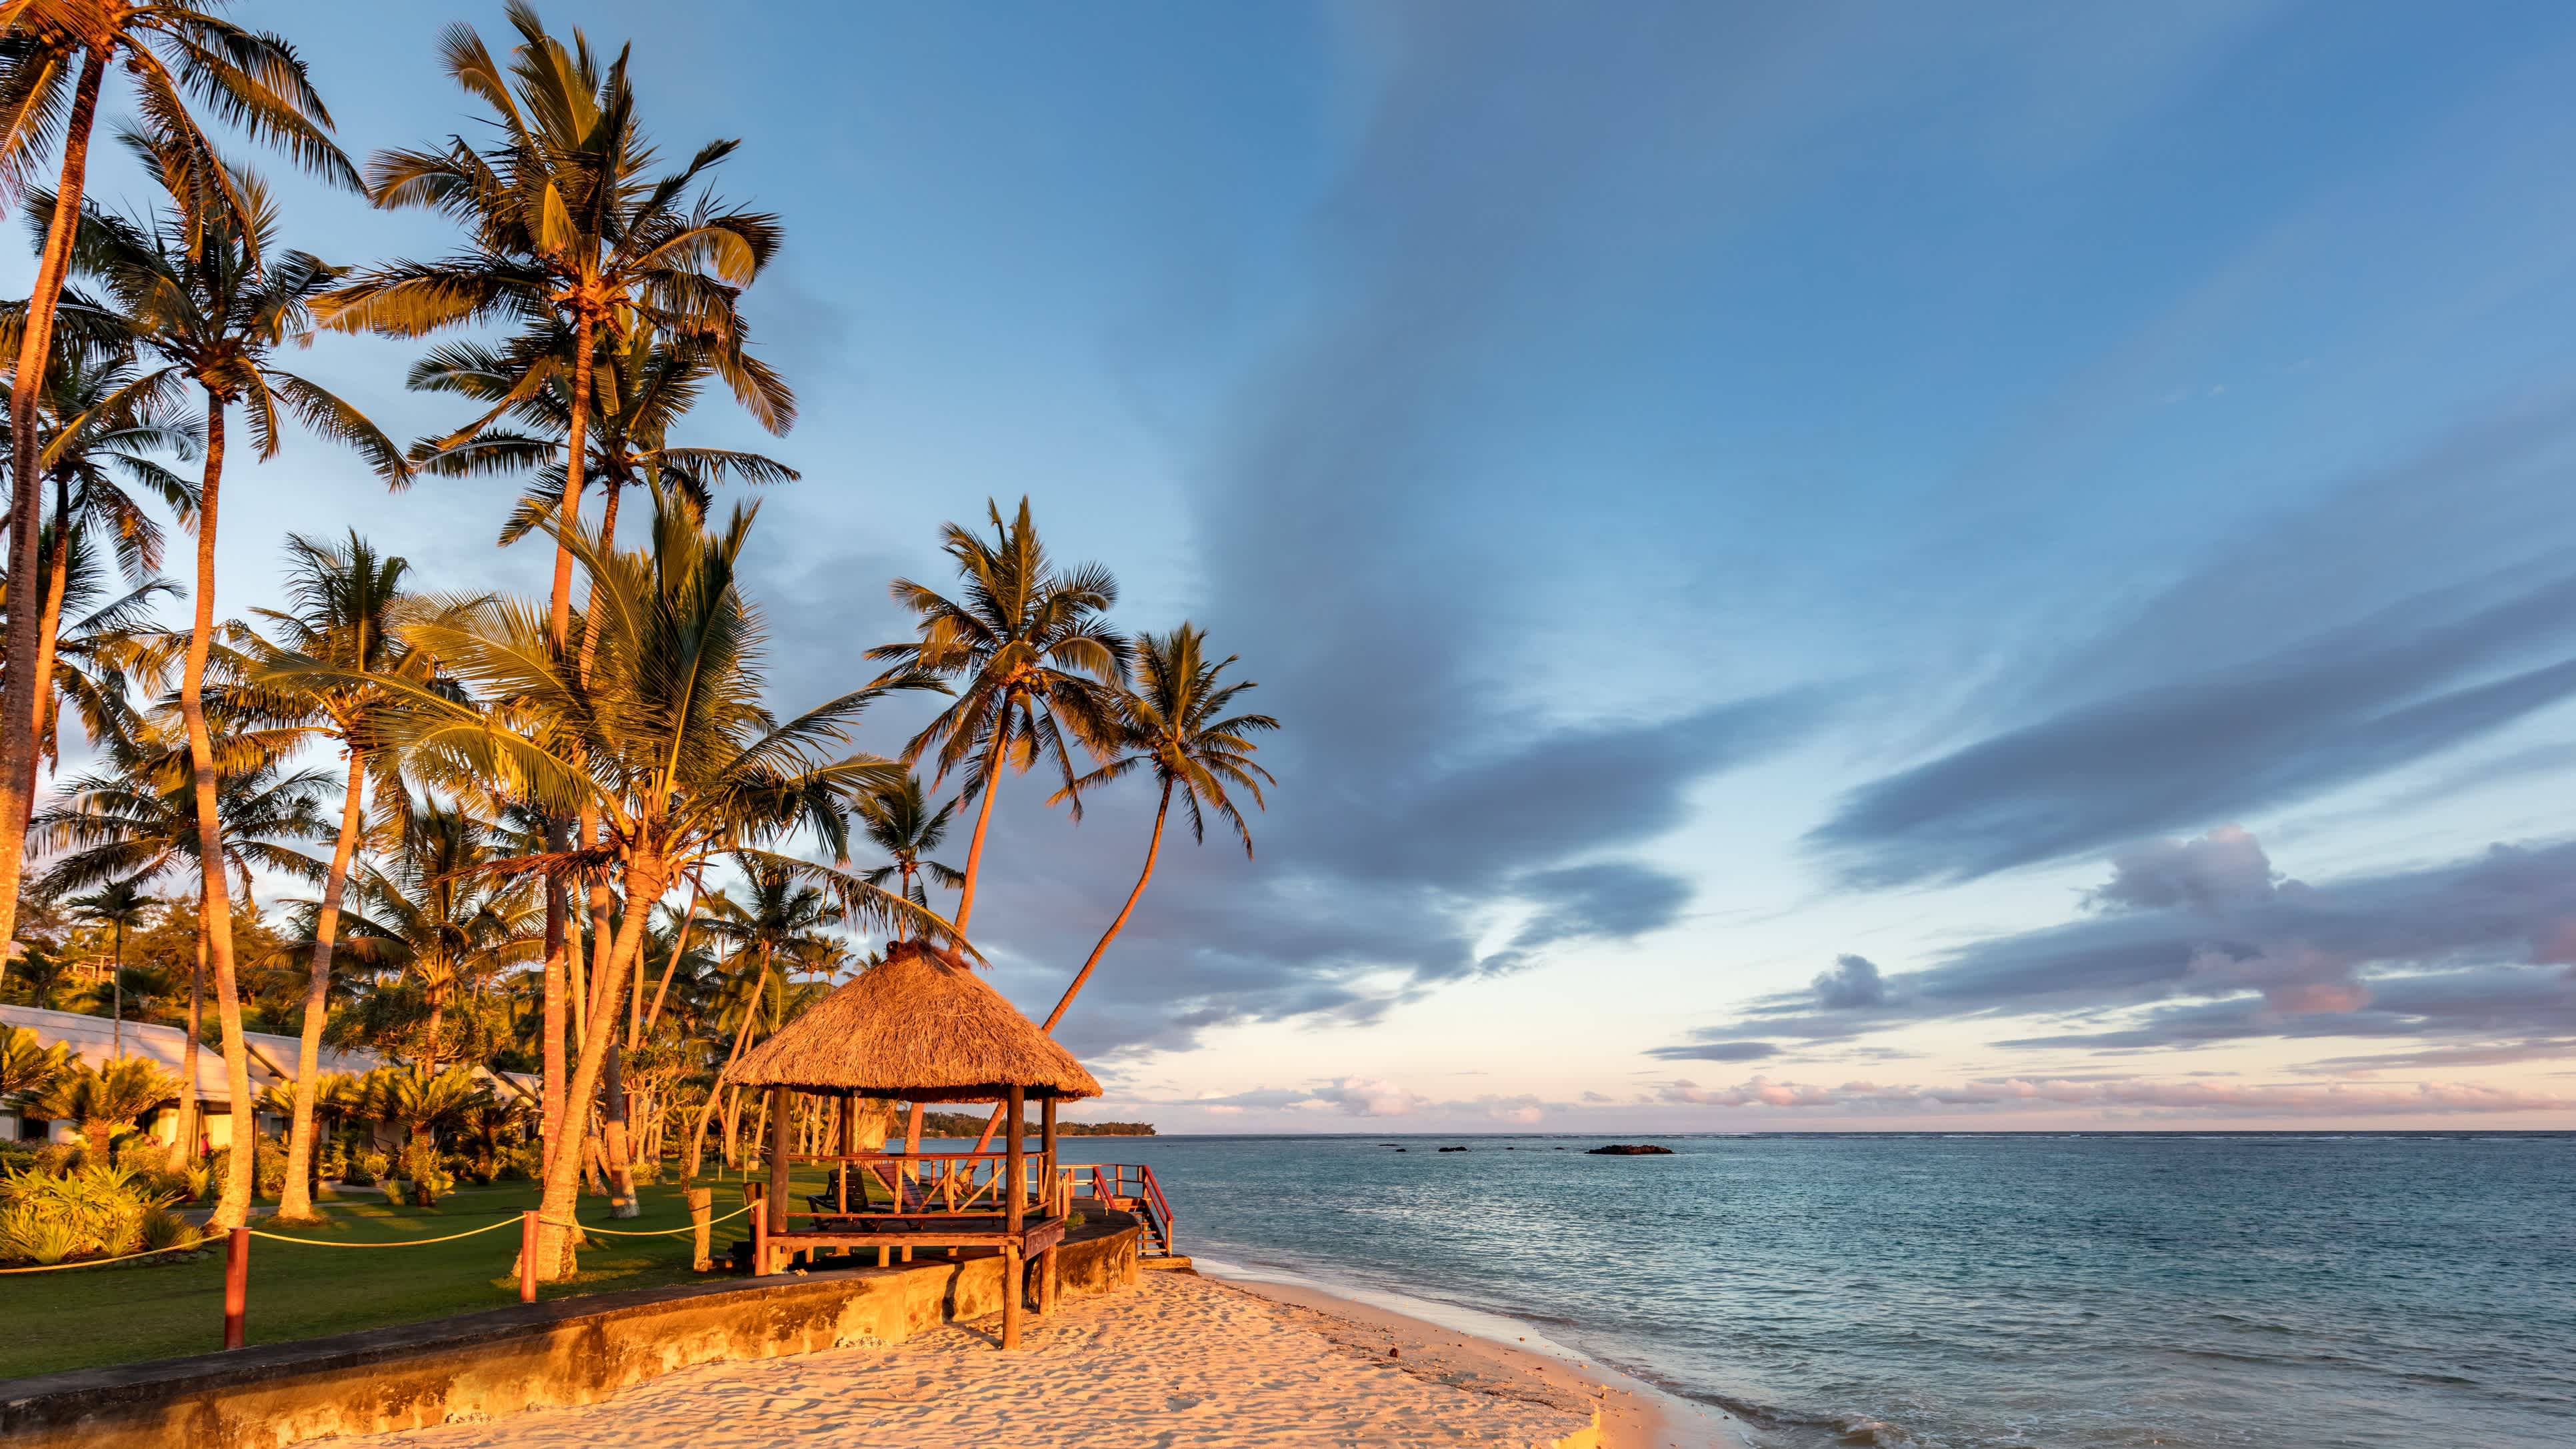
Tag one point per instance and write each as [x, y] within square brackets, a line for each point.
[568, 234]
[1174, 723]
[898, 820]
[1032, 659]
[116, 906]
[346, 599]
[662, 732]
[645, 381]
[205, 290]
[55, 55]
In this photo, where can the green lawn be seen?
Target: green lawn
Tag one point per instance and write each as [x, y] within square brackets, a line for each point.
[119, 1314]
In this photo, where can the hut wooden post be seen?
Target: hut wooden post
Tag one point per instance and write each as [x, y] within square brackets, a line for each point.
[1047, 1201]
[1016, 1157]
[775, 1200]
[849, 1149]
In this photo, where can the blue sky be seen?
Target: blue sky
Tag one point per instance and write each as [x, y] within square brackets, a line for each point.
[1824, 567]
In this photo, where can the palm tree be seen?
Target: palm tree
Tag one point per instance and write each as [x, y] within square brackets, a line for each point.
[346, 601]
[781, 925]
[568, 234]
[898, 820]
[440, 915]
[1175, 724]
[661, 732]
[1034, 657]
[101, 1102]
[54, 60]
[136, 819]
[643, 382]
[97, 445]
[117, 906]
[110, 649]
[206, 291]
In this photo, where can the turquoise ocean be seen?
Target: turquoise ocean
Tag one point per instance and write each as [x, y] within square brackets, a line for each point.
[1965, 1292]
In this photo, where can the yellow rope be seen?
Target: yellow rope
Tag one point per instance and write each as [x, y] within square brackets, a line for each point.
[406, 1243]
[657, 1233]
[98, 1262]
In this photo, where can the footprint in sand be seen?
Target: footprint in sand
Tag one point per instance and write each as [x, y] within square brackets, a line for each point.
[1181, 1403]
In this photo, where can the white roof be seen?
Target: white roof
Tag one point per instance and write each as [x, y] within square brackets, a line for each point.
[272, 1058]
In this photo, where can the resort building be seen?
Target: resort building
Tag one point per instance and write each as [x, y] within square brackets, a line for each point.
[99, 1040]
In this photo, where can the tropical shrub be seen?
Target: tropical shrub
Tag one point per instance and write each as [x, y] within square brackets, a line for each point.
[424, 1173]
[98, 1210]
[162, 1230]
[368, 1167]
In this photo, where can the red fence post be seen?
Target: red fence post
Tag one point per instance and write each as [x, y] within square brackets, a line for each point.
[528, 1257]
[236, 1284]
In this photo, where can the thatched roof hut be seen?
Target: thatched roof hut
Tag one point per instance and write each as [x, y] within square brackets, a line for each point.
[919, 1025]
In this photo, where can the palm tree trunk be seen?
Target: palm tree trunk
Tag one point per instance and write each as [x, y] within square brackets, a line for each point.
[698, 1142]
[646, 879]
[679, 948]
[550, 1107]
[559, 618]
[49, 628]
[215, 912]
[1153, 848]
[189, 1116]
[983, 818]
[35, 347]
[295, 1204]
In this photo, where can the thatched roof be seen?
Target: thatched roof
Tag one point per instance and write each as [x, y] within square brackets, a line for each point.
[922, 1026]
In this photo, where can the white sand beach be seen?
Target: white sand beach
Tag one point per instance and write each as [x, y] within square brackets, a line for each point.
[1177, 1360]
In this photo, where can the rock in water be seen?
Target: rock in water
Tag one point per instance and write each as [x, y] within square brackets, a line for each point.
[1631, 1149]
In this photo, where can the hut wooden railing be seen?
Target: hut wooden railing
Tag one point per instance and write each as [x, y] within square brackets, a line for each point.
[1125, 1187]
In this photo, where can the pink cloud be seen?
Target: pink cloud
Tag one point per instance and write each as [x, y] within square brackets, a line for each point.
[2339, 1099]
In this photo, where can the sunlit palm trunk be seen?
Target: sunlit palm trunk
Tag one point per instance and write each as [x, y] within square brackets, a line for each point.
[189, 1116]
[18, 678]
[558, 1102]
[698, 1142]
[645, 881]
[215, 912]
[296, 1201]
[983, 819]
[49, 629]
[1153, 848]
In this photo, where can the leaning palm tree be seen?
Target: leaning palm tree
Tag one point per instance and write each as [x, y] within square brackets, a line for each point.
[1031, 657]
[662, 732]
[102, 1101]
[1175, 725]
[345, 602]
[898, 820]
[204, 289]
[55, 55]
